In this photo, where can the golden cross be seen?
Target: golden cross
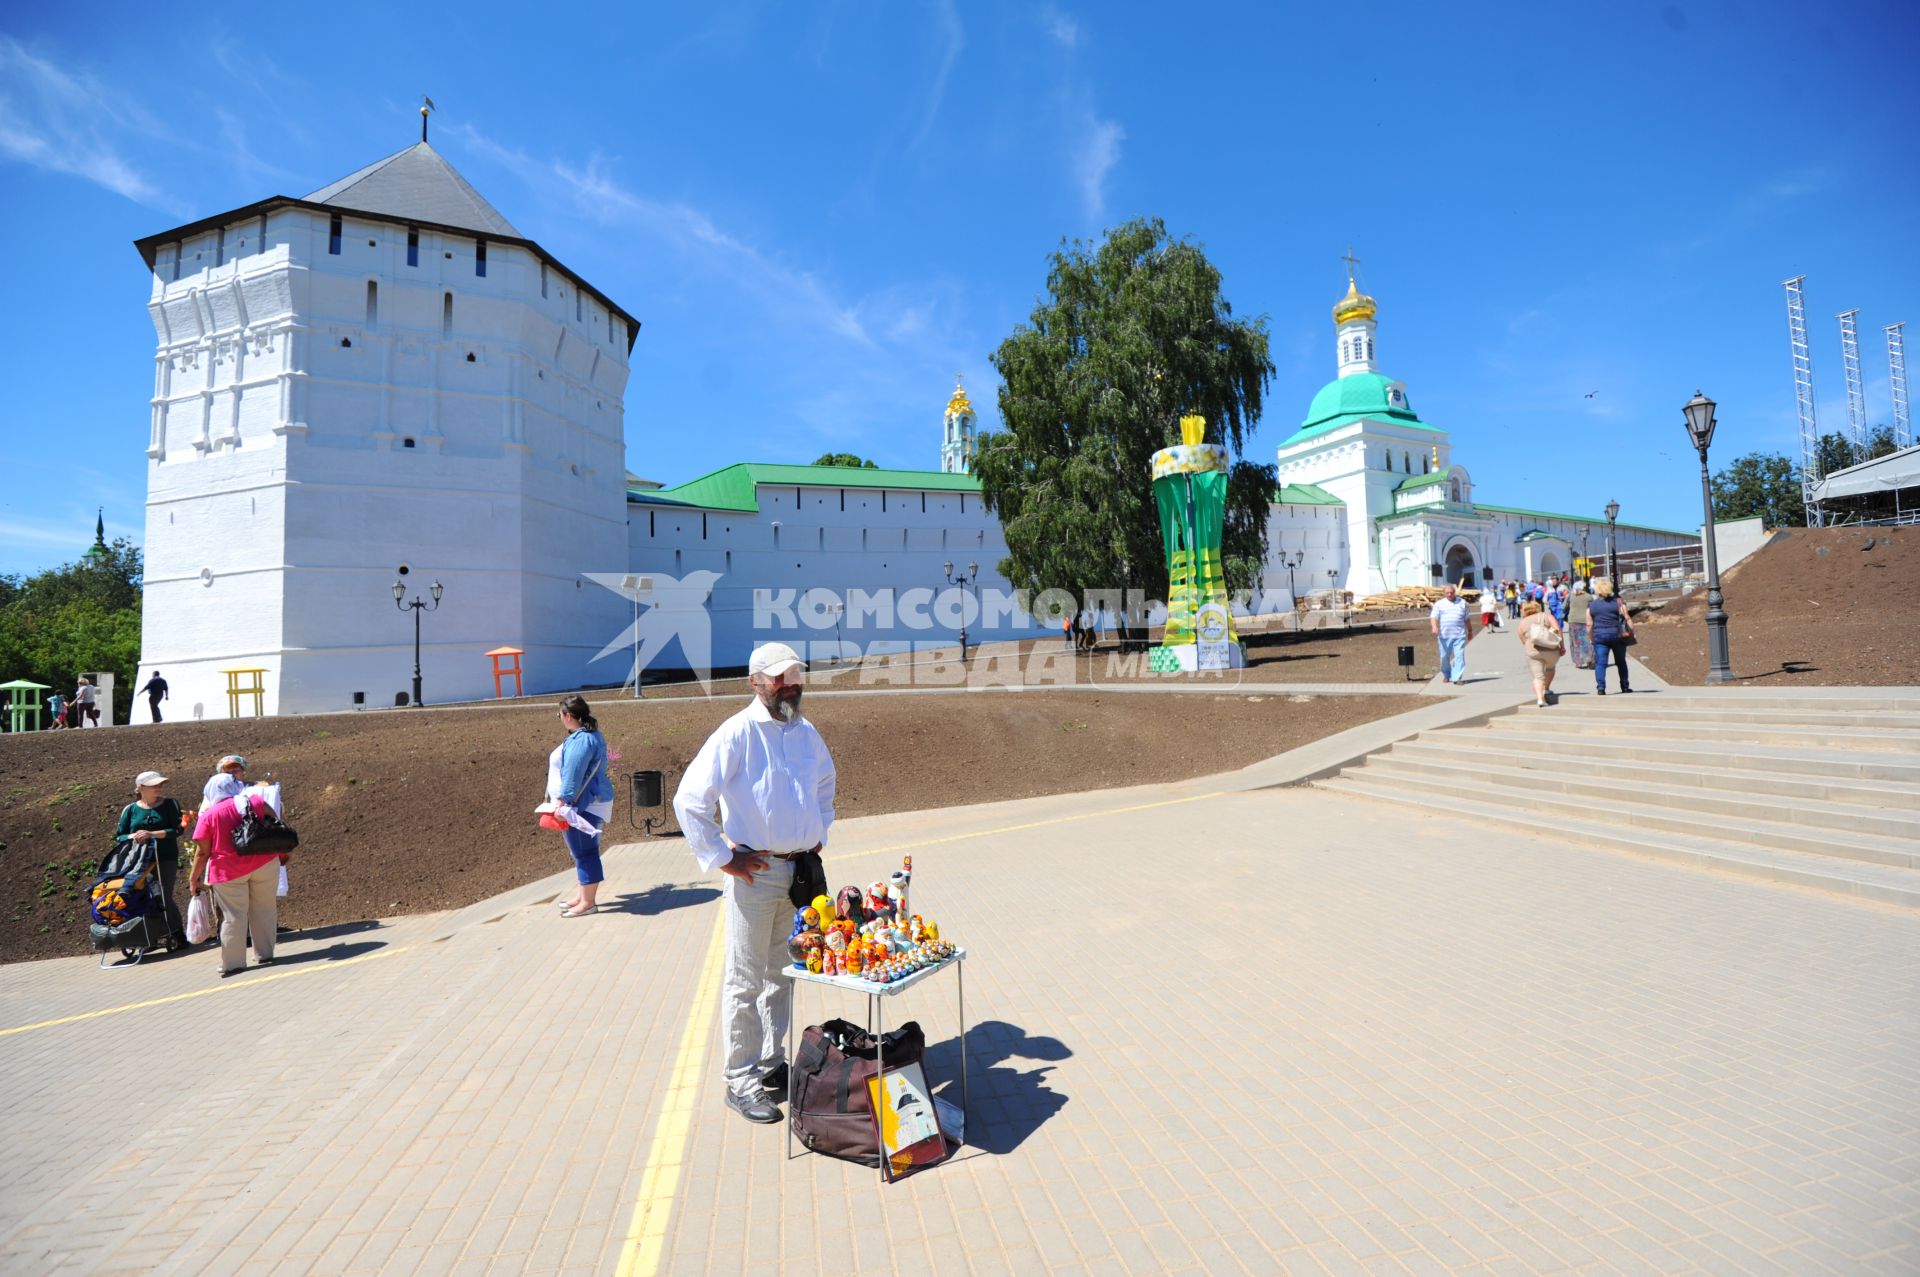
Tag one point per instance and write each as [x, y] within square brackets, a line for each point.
[1351, 262]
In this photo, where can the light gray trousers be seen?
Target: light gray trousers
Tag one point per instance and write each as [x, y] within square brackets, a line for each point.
[755, 999]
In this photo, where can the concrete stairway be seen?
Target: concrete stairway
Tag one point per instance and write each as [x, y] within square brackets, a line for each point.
[1819, 788]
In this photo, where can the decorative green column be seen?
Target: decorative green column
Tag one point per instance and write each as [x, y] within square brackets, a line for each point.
[1190, 488]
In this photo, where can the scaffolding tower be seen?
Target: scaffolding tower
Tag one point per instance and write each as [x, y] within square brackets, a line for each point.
[1897, 376]
[1803, 398]
[1850, 367]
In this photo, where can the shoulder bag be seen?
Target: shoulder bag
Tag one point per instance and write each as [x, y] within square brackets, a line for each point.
[260, 834]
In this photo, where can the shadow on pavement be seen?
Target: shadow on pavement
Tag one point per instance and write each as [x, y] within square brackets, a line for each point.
[1009, 1103]
[329, 932]
[659, 899]
[332, 953]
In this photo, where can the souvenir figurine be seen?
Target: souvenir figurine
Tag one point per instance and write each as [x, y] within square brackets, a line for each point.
[848, 904]
[804, 943]
[916, 929]
[836, 941]
[897, 888]
[933, 931]
[879, 905]
[824, 907]
[813, 961]
[805, 919]
[831, 963]
[851, 964]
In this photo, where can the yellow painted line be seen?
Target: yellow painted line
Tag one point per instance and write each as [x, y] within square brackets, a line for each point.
[667, 1157]
[201, 993]
[1031, 824]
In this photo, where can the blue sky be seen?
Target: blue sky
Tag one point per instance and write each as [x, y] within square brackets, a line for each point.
[821, 211]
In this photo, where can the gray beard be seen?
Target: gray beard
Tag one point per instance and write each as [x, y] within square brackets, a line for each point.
[787, 711]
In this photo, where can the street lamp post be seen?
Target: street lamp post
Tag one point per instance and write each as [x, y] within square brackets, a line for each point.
[1700, 424]
[1586, 564]
[1613, 558]
[1293, 561]
[972, 576]
[416, 607]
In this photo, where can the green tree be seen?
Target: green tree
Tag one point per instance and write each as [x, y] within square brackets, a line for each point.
[1761, 483]
[1833, 452]
[1879, 443]
[844, 459]
[82, 616]
[1132, 333]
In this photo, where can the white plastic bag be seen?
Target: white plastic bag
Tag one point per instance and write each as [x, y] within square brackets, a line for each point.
[281, 889]
[200, 919]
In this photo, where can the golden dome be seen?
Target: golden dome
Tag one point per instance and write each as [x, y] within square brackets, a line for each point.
[1355, 305]
[959, 403]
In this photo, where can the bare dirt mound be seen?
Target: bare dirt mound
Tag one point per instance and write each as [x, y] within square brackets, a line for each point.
[408, 811]
[1830, 607]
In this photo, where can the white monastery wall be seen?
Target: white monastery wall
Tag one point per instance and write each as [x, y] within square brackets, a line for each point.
[836, 540]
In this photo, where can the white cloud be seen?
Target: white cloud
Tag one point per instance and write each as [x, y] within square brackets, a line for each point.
[1097, 151]
[60, 121]
[952, 41]
[1064, 30]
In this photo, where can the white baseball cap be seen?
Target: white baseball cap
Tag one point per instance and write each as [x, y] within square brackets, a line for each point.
[148, 778]
[774, 659]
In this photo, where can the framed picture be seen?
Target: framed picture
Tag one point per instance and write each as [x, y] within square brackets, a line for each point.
[903, 1108]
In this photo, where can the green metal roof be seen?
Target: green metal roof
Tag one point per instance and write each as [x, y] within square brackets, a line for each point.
[1537, 534]
[735, 487]
[1345, 400]
[1424, 480]
[1577, 518]
[1305, 494]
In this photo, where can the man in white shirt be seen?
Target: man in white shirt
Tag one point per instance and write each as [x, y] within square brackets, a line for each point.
[758, 795]
[1448, 618]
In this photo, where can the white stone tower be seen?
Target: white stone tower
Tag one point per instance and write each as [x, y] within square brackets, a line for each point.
[956, 445]
[383, 373]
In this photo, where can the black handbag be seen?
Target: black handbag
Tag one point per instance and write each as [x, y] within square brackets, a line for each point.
[809, 879]
[263, 835]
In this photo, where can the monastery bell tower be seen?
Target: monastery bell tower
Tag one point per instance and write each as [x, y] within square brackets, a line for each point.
[956, 446]
[382, 380]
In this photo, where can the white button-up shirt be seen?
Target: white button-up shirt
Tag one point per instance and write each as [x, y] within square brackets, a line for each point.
[758, 782]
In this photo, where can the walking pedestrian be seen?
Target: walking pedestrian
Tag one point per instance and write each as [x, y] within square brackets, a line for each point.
[756, 799]
[84, 711]
[153, 817]
[1540, 640]
[1513, 601]
[155, 691]
[577, 780]
[1489, 609]
[242, 885]
[1611, 628]
[1579, 634]
[57, 707]
[1448, 620]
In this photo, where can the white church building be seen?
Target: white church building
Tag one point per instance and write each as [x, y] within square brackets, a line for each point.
[383, 386]
[1371, 498]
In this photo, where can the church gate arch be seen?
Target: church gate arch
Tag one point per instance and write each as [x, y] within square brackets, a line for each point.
[1459, 563]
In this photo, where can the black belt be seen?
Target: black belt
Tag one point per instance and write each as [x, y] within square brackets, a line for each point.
[779, 855]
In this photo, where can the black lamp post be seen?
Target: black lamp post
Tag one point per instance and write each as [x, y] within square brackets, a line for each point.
[1586, 564]
[1613, 559]
[972, 576]
[416, 607]
[1293, 561]
[1700, 424]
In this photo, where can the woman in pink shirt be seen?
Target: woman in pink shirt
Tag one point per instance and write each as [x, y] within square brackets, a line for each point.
[244, 885]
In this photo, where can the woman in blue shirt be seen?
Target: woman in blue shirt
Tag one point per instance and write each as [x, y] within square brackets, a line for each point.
[577, 779]
[1611, 629]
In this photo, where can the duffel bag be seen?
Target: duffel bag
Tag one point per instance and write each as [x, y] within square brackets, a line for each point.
[828, 1085]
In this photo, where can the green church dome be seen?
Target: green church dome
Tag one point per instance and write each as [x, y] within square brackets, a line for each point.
[1348, 399]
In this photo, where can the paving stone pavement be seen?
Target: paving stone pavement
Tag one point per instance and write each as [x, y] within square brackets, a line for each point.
[1216, 1029]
